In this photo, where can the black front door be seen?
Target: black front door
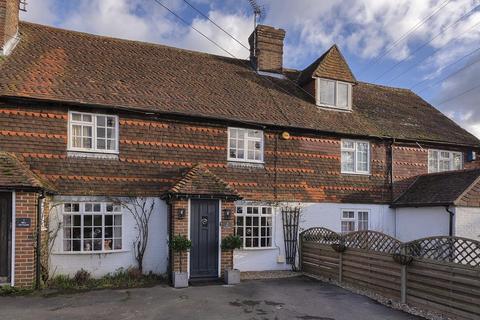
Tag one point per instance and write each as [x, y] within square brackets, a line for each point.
[5, 235]
[204, 235]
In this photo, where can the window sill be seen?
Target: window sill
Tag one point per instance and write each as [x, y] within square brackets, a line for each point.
[357, 173]
[90, 154]
[89, 252]
[245, 164]
[258, 249]
[335, 108]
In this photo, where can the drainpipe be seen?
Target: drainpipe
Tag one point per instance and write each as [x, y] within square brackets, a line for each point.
[40, 198]
[452, 215]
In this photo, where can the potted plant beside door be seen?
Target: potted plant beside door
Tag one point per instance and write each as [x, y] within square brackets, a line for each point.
[230, 243]
[180, 244]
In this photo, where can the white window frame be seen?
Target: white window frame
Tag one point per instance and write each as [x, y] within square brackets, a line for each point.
[244, 214]
[245, 151]
[335, 105]
[82, 212]
[451, 155]
[94, 116]
[355, 157]
[355, 219]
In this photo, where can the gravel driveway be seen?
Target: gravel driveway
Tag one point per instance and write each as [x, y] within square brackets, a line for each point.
[288, 298]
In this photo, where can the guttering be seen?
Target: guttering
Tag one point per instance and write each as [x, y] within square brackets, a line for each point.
[38, 270]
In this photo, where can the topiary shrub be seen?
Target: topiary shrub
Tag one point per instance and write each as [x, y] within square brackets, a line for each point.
[231, 242]
[180, 244]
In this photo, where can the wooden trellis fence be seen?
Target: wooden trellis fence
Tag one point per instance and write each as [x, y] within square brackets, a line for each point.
[440, 274]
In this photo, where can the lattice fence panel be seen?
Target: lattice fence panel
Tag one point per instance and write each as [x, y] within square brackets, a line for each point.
[321, 235]
[446, 249]
[372, 240]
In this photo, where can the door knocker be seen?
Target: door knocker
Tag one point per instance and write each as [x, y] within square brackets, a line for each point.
[204, 221]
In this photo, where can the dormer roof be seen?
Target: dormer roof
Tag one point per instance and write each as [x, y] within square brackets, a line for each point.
[331, 65]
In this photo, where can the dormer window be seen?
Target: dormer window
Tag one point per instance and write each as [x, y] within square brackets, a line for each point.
[334, 94]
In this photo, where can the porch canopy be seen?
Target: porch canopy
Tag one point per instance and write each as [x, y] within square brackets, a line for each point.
[199, 182]
[14, 174]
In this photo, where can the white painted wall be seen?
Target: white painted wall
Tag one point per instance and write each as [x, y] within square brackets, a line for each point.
[467, 222]
[416, 223]
[156, 255]
[328, 215]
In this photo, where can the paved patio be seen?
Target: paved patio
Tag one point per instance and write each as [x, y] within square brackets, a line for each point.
[288, 298]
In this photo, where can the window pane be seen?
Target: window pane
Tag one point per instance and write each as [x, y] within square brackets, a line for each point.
[457, 161]
[348, 161]
[76, 117]
[327, 92]
[362, 157]
[342, 95]
[432, 161]
[347, 144]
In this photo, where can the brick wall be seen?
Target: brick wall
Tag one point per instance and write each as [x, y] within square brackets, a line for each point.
[179, 227]
[228, 228]
[154, 153]
[25, 239]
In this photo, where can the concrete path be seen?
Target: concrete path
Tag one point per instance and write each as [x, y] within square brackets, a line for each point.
[288, 298]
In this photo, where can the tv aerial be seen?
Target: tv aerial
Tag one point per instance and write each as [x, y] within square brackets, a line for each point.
[258, 11]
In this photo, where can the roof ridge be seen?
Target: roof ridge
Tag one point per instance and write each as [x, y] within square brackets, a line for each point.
[451, 172]
[111, 38]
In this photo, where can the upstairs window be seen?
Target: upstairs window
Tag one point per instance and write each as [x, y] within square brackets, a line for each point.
[93, 132]
[334, 94]
[441, 160]
[245, 145]
[355, 157]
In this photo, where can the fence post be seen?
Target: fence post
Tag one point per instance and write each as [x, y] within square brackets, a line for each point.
[340, 267]
[300, 253]
[403, 284]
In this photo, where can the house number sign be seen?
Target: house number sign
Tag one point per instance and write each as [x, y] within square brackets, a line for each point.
[23, 222]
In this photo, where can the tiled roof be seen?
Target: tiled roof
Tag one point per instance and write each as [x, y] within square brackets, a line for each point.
[330, 65]
[67, 66]
[15, 174]
[438, 189]
[200, 181]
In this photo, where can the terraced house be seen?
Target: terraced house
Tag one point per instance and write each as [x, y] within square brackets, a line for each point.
[217, 145]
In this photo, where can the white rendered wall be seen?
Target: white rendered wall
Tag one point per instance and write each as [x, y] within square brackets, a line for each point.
[328, 215]
[156, 255]
[416, 223]
[467, 222]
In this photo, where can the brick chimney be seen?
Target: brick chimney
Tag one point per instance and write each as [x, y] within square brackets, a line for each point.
[9, 10]
[266, 48]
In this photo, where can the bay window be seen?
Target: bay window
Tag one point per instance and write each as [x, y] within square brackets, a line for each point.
[442, 160]
[355, 157]
[254, 226]
[93, 132]
[91, 227]
[245, 145]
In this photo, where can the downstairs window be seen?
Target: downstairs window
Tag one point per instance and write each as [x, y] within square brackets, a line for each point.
[254, 226]
[354, 220]
[91, 227]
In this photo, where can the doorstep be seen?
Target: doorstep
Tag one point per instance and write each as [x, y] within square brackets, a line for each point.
[199, 282]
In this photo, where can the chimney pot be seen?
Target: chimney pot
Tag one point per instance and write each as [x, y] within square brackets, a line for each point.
[266, 48]
[9, 17]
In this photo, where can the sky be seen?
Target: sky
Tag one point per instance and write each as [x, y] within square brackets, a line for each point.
[429, 46]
